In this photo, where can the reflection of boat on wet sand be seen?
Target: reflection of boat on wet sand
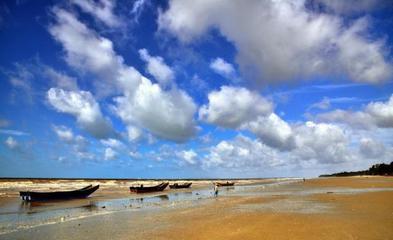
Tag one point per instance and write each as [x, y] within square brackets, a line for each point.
[41, 196]
[184, 185]
[224, 184]
[142, 189]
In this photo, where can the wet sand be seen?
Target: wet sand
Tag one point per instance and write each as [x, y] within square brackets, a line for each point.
[331, 208]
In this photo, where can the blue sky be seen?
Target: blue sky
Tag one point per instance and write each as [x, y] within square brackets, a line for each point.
[194, 89]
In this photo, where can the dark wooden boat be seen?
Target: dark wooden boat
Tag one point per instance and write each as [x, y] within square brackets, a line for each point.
[224, 184]
[42, 196]
[141, 189]
[176, 185]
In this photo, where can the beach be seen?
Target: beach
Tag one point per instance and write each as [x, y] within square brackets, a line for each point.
[322, 208]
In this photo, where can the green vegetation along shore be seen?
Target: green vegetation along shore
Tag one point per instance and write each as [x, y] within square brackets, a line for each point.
[380, 169]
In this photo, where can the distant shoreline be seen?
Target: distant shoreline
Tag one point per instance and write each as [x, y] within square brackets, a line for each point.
[141, 179]
[381, 169]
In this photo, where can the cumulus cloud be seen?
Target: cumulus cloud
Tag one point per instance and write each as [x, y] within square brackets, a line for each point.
[241, 152]
[223, 68]
[381, 113]
[81, 105]
[371, 148]
[355, 119]
[102, 10]
[375, 114]
[86, 51]
[78, 143]
[109, 154]
[321, 142]
[64, 133]
[274, 131]
[167, 114]
[286, 41]
[11, 143]
[112, 143]
[134, 133]
[313, 144]
[188, 156]
[233, 106]
[241, 109]
[157, 68]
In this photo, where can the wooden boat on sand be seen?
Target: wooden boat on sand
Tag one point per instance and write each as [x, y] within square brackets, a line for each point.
[224, 184]
[176, 185]
[141, 189]
[58, 195]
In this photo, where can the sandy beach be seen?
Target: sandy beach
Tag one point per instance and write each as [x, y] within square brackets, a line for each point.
[323, 208]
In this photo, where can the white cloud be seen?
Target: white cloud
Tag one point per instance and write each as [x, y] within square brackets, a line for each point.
[11, 143]
[79, 145]
[13, 132]
[324, 143]
[64, 133]
[137, 9]
[165, 113]
[60, 79]
[355, 119]
[134, 133]
[233, 106]
[241, 152]
[345, 7]
[21, 79]
[101, 9]
[86, 51]
[370, 148]
[84, 108]
[361, 59]
[314, 145]
[198, 84]
[323, 104]
[375, 114]
[188, 156]
[157, 68]
[112, 143]
[273, 131]
[110, 154]
[381, 112]
[223, 68]
[282, 40]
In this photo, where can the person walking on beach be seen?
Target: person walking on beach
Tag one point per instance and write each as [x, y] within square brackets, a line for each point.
[215, 190]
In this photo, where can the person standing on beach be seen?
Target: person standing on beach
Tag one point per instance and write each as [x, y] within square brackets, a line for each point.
[215, 190]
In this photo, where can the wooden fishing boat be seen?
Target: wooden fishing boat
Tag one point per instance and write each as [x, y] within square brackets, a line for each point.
[42, 196]
[224, 184]
[141, 189]
[176, 185]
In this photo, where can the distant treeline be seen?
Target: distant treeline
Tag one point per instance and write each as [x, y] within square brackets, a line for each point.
[377, 169]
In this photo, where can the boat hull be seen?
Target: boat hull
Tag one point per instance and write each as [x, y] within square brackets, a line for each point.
[227, 184]
[177, 186]
[158, 188]
[60, 195]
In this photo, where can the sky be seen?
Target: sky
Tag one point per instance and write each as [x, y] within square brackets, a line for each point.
[194, 89]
